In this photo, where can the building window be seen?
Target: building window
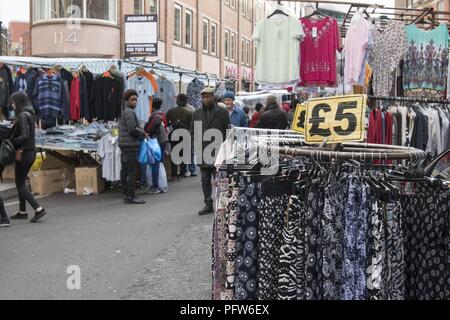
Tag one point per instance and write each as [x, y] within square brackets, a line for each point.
[233, 47]
[227, 44]
[188, 26]
[76, 9]
[139, 7]
[177, 25]
[153, 6]
[249, 53]
[101, 9]
[441, 7]
[205, 35]
[243, 54]
[246, 8]
[231, 4]
[213, 38]
[243, 7]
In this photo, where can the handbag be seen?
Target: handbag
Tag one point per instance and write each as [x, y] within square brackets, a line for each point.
[7, 153]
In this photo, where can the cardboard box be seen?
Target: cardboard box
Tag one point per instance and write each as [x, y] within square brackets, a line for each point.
[89, 180]
[9, 173]
[47, 181]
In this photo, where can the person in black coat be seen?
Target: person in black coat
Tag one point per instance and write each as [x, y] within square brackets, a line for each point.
[210, 116]
[5, 133]
[23, 140]
[130, 135]
[273, 117]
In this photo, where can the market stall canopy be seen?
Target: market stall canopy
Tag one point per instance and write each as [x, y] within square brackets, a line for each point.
[100, 65]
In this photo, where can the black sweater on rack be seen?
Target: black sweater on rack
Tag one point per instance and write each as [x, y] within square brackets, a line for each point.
[107, 99]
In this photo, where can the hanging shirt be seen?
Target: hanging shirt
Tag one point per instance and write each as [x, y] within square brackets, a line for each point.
[194, 91]
[318, 66]
[277, 47]
[426, 62]
[50, 98]
[388, 50]
[448, 78]
[145, 90]
[168, 93]
[75, 100]
[355, 47]
[110, 154]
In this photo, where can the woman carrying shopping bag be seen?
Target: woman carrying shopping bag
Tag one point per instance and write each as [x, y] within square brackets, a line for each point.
[156, 128]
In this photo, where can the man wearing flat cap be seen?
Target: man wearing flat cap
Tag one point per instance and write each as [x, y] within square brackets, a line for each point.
[210, 116]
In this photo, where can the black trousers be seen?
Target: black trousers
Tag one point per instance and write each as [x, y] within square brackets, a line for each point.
[21, 170]
[128, 173]
[3, 214]
[207, 174]
[183, 166]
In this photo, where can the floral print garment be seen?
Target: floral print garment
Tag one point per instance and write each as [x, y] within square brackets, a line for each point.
[247, 240]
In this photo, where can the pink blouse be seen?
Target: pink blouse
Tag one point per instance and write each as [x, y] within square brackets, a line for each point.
[318, 52]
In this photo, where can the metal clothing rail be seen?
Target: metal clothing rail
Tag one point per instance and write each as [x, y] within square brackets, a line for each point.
[408, 99]
[356, 151]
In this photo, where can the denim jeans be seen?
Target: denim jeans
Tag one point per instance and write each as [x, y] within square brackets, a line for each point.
[193, 165]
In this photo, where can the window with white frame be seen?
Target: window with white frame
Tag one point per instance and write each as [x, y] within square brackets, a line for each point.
[177, 24]
[249, 53]
[227, 44]
[233, 46]
[139, 6]
[188, 28]
[243, 7]
[243, 53]
[213, 38]
[205, 35]
[105, 10]
[153, 6]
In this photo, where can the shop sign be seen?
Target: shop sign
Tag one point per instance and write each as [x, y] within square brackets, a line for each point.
[298, 124]
[141, 35]
[338, 119]
[233, 72]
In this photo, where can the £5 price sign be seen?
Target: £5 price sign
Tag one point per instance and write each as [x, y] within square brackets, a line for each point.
[338, 119]
[298, 124]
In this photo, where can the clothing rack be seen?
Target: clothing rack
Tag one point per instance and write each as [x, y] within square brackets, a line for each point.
[408, 99]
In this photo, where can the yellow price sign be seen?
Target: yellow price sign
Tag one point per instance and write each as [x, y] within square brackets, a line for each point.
[338, 119]
[298, 124]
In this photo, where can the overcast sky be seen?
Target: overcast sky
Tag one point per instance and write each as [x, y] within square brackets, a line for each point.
[19, 9]
[14, 10]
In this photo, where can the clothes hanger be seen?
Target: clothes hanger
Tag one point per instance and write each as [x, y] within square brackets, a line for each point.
[279, 10]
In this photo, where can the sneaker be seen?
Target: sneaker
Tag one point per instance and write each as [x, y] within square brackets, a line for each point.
[134, 201]
[19, 216]
[154, 191]
[193, 175]
[5, 223]
[207, 209]
[144, 186]
[187, 175]
[38, 216]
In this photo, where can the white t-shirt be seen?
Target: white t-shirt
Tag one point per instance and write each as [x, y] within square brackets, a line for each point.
[278, 49]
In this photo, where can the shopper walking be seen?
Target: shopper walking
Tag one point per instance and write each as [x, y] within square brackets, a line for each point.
[130, 135]
[157, 128]
[273, 117]
[210, 116]
[23, 140]
[237, 116]
[179, 118]
[257, 115]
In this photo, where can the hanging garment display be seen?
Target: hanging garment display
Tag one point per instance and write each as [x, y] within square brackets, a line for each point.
[109, 153]
[24, 82]
[194, 90]
[168, 93]
[426, 62]
[389, 48]
[75, 100]
[355, 48]
[5, 86]
[277, 42]
[145, 91]
[322, 40]
[107, 104]
[50, 99]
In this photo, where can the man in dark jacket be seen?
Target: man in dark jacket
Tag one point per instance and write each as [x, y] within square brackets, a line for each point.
[273, 117]
[179, 118]
[210, 116]
[129, 140]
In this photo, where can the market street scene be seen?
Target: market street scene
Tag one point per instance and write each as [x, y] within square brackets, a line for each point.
[225, 150]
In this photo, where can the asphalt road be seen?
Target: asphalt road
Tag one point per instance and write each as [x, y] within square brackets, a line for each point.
[158, 251]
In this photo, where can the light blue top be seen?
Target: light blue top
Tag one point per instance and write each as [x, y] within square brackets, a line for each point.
[426, 62]
[145, 91]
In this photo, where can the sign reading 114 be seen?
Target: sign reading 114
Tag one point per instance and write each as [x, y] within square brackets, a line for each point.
[61, 37]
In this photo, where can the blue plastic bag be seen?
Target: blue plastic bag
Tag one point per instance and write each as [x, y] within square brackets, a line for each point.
[145, 154]
[154, 150]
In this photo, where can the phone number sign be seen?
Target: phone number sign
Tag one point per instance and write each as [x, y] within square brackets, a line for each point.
[141, 35]
[338, 119]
